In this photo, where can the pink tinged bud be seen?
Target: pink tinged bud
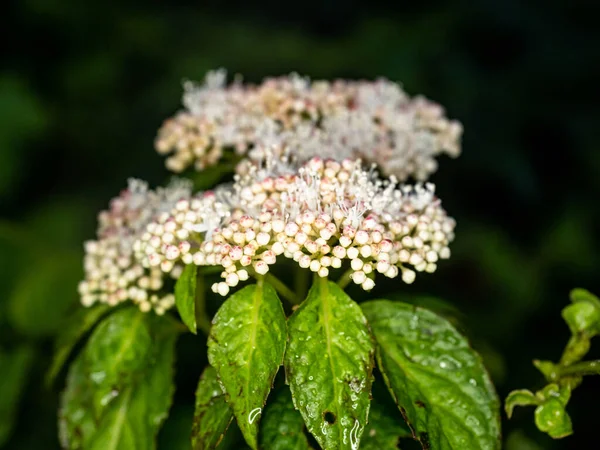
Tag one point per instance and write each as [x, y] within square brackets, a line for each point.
[246, 260]
[339, 251]
[236, 253]
[166, 266]
[154, 260]
[269, 257]
[261, 267]
[182, 205]
[170, 226]
[349, 231]
[311, 246]
[386, 246]
[325, 234]
[382, 266]
[184, 247]
[369, 223]
[246, 221]
[291, 229]
[304, 261]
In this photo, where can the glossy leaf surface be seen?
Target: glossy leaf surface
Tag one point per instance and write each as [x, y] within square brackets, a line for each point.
[329, 364]
[437, 380]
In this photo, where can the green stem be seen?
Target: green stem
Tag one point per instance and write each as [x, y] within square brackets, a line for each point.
[301, 282]
[201, 316]
[576, 349]
[345, 279]
[281, 288]
[582, 368]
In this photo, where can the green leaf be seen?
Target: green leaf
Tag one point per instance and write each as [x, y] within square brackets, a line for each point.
[117, 353]
[437, 380]
[551, 418]
[76, 422]
[583, 295]
[212, 415]
[521, 397]
[329, 364]
[78, 325]
[582, 317]
[135, 412]
[185, 296]
[283, 426]
[134, 419]
[384, 429]
[15, 367]
[246, 347]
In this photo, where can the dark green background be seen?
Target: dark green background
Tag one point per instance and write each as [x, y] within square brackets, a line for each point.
[85, 85]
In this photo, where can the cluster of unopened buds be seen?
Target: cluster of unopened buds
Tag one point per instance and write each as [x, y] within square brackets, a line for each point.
[374, 121]
[325, 216]
[331, 212]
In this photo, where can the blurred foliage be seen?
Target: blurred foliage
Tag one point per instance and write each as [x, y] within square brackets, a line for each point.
[84, 87]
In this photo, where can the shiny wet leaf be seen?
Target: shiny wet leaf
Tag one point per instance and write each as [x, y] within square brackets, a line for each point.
[329, 364]
[246, 347]
[437, 380]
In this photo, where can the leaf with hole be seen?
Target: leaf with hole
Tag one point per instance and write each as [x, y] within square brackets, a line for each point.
[437, 380]
[246, 347]
[212, 414]
[329, 364]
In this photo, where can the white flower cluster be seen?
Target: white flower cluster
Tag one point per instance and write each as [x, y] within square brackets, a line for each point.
[324, 215]
[112, 273]
[374, 121]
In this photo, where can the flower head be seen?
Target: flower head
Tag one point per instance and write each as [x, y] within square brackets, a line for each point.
[323, 215]
[112, 273]
[374, 121]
